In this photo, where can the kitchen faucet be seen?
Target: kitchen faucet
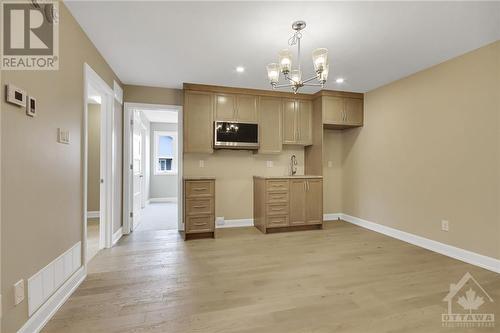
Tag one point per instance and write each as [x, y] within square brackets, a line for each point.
[293, 165]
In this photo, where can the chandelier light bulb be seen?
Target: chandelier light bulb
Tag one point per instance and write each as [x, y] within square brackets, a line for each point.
[273, 73]
[320, 59]
[296, 76]
[285, 61]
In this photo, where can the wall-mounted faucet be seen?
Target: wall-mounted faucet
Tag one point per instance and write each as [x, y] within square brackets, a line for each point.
[293, 165]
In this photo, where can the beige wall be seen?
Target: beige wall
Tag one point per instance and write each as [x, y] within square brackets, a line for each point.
[152, 95]
[430, 150]
[94, 157]
[332, 175]
[161, 186]
[42, 180]
[234, 171]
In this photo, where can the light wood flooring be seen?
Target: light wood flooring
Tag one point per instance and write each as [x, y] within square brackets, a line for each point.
[340, 279]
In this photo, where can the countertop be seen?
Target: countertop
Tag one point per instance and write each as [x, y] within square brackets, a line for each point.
[288, 177]
[198, 178]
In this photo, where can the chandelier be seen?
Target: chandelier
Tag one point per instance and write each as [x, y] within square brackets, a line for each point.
[294, 76]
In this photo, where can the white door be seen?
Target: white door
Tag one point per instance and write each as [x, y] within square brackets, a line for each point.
[137, 168]
[144, 157]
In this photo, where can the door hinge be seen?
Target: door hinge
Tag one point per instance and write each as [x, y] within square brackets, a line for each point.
[131, 167]
[131, 121]
[131, 214]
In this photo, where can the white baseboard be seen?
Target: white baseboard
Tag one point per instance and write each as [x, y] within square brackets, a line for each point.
[469, 257]
[117, 235]
[93, 215]
[153, 200]
[41, 317]
[236, 223]
[332, 216]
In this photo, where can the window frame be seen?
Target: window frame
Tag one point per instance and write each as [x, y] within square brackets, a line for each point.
[175, 153]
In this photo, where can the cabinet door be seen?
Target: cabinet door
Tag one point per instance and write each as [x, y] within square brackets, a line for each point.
[333, 110]
[225, 106]
[354, 111]
[297, 202]
[270, 125]
[198, 122]
[304, 122]
[289, 122]
[314, 201]
[246, 108]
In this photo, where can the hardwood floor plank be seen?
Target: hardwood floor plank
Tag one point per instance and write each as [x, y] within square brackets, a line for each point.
[340, 279]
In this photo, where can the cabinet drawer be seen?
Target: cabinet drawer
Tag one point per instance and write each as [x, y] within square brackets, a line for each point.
[277, 209]
[199, 188]
[277, 221]
[202, 223]
[199, 206]
[277, 185]
[277, 197]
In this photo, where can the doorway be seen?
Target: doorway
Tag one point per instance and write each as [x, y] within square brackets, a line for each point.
[98, 177]
[154, 151]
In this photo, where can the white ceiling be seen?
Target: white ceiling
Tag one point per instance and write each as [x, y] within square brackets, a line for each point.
[370, 43]
[160, 116]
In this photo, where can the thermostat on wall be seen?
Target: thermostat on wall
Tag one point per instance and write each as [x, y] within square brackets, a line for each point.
[15, 95]
[31, 106]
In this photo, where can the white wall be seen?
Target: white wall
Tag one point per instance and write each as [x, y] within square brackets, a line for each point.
[161, 186]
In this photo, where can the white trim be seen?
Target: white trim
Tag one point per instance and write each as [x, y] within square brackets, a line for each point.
[469, 257]
[93, 214]
[41, 317]
[108, 160]
[117, 92]
[332, 216]
[169, 199]
[117, 235]
[127, 159]
[236, 223]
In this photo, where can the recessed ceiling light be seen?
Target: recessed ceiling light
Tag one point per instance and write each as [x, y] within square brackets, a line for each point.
[340, 80]
[240, 69]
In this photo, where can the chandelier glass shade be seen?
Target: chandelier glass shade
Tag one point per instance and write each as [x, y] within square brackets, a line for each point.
[294, 75]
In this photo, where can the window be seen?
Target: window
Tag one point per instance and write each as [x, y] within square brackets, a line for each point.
[165, 153]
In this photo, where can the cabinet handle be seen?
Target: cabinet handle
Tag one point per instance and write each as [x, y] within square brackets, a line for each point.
[199, 189]
[200, 223]
[200, 206]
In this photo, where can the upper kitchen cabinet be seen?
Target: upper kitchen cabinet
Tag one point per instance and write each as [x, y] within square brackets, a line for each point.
[231, 107]
[198, 122]
[341, 112]
[297, 122]
[271, 126]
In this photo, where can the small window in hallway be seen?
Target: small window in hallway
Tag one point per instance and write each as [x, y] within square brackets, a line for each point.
[165, 152]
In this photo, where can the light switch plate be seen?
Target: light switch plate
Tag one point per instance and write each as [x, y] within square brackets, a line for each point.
[445, 225]
[31, 106]
[330, 164]
[63, 136]
[269, 164]
[18, 292]
[15, 95]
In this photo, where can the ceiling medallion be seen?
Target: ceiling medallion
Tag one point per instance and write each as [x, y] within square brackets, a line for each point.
[294, 76]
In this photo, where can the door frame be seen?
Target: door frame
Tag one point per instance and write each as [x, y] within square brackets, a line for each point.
[127, 159]
[108, 151]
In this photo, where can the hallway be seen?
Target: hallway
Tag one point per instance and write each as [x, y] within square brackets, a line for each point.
[158, 216]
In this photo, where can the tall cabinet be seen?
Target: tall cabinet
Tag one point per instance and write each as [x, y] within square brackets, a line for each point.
[297, 129]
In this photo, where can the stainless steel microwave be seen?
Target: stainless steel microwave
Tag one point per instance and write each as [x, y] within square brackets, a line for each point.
[236, 135]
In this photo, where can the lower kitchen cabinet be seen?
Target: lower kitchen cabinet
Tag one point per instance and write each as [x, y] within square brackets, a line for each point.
[199, 208]
[288, 203]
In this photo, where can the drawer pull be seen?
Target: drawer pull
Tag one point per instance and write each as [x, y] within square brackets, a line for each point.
[200, 189]
[276, 208]
[200, 223]
[200, 206]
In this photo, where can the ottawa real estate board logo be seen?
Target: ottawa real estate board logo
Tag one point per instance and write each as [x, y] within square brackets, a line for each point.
[469, 305]
[30, 35]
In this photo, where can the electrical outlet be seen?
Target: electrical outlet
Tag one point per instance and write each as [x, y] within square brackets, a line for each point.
[19, 292]
[220, 220]
[269, 164]
[330, 164]
[445, 225]
[202, 163]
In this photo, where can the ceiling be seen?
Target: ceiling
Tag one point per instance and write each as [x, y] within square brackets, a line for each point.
[160, 116]
[164, 44]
